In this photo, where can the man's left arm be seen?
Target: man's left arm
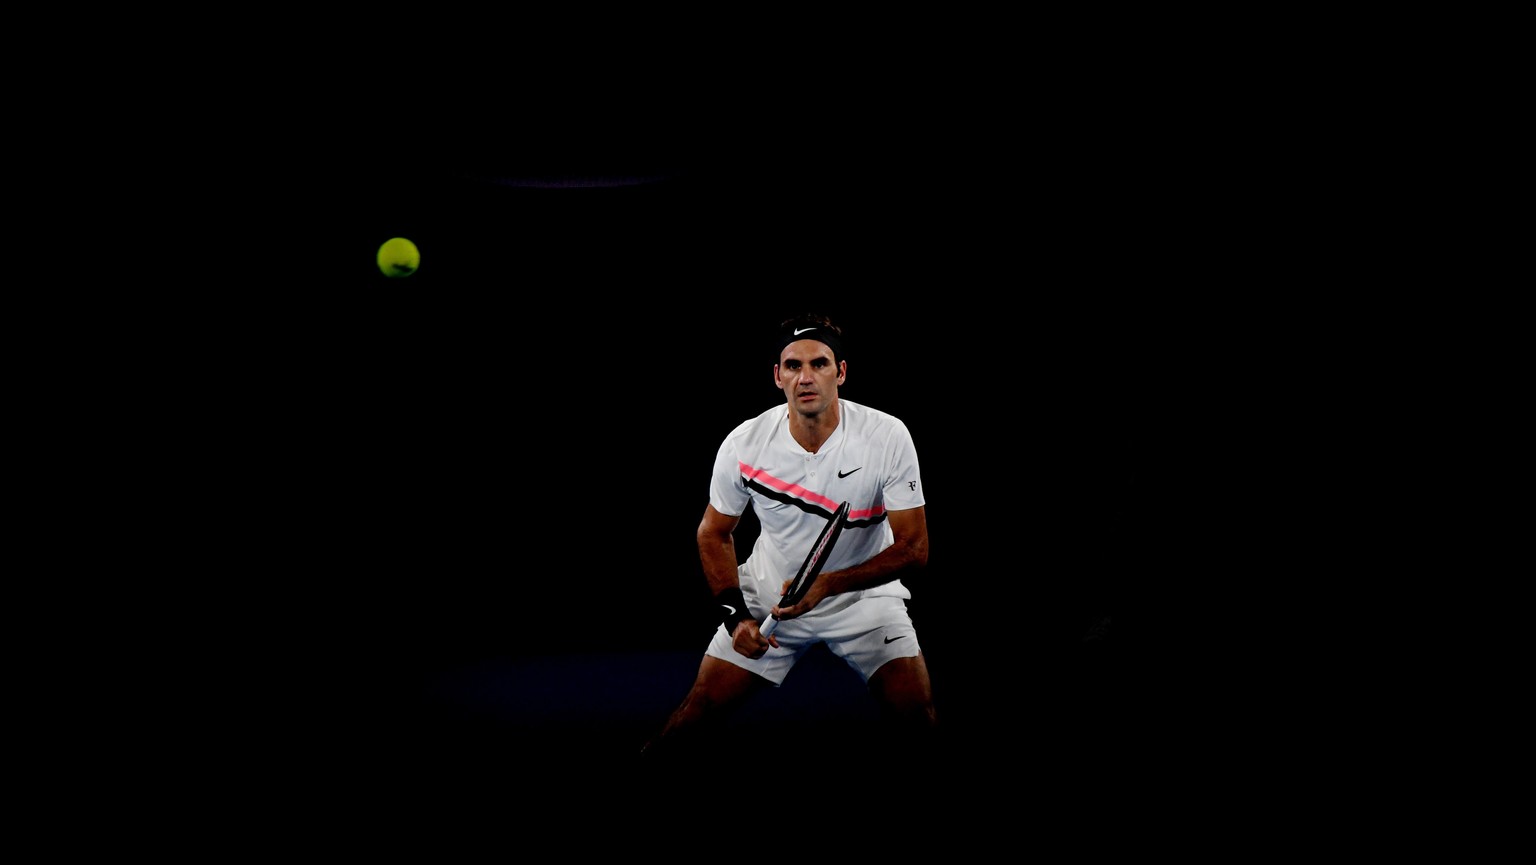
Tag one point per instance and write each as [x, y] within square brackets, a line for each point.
[907, 553]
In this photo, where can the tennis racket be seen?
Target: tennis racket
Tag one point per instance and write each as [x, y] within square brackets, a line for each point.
[812, 564]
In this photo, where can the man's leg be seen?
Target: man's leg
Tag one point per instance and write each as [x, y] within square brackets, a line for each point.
[905, 694]
[718, 689]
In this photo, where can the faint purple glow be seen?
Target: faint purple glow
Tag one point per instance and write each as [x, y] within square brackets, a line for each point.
[573, 181]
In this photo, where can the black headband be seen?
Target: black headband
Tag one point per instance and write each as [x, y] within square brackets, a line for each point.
[820, 334]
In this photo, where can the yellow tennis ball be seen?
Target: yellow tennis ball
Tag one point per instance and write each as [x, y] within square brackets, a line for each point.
[399, 257]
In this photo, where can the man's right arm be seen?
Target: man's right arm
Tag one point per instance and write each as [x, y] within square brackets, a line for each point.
[717, 550]
[717, 553]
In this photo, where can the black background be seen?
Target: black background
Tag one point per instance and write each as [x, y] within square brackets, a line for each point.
[557, 375]
[500, 460]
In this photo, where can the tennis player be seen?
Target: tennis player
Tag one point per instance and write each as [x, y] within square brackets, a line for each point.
[793, 464]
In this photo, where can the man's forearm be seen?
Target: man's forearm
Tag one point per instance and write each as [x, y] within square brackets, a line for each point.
[888, 566]
[719, 561]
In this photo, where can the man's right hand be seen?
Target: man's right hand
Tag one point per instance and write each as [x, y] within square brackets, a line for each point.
[748, 640]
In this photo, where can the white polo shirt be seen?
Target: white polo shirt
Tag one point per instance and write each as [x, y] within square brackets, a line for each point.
[869, 460]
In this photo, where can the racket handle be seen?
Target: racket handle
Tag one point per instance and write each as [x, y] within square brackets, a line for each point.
[770, 624]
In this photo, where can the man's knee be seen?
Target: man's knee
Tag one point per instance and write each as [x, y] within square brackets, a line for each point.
[902, 685]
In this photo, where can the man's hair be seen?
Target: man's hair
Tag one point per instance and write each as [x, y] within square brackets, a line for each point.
[810, 325]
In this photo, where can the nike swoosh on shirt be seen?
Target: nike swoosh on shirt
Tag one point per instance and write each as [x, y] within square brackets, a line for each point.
[893, 639]
[843, 474]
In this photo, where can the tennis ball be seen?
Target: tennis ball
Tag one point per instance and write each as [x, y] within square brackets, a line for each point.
[399, 257]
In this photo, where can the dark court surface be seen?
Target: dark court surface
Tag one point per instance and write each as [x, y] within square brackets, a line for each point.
[1057, 706]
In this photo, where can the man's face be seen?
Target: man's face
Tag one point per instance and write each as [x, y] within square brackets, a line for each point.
[808, 376]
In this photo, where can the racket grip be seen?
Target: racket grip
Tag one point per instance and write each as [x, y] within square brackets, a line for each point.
[770, 624]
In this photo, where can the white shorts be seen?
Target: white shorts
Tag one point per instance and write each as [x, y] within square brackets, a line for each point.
[866, 634]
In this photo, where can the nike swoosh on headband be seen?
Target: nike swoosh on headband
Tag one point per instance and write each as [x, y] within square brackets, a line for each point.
[803, 330]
